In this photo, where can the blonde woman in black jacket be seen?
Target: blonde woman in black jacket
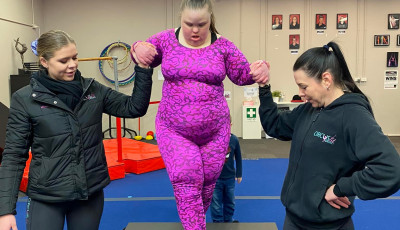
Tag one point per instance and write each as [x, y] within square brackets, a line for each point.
[59, 116]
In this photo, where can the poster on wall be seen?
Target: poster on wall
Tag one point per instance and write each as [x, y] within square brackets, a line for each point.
[391, 80]
[398, 40]
[381, 40]
[392, 59]
[276, 22]
[342, 21]
[294, 41]
[393, 21]
[320, 21]
[294, 20]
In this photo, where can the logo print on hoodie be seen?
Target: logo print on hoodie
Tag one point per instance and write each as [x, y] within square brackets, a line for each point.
[89, 97]
[325, 138]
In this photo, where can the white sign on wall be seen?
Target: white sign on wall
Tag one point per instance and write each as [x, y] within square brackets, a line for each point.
[250, 92]
[160, 76]
[391, 79]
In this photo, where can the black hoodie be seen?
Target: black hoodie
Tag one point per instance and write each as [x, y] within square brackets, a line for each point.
[340, 144]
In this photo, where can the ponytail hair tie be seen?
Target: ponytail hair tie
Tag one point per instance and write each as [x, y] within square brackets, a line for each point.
[34, 47]
[326, 47]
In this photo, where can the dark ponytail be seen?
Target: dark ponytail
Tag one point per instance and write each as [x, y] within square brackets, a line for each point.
[315, 61]
[346, 78]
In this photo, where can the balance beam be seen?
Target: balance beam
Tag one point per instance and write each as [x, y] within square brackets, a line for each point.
[210, 226]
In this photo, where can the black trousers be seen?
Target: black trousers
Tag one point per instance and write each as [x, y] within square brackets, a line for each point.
[79, 214]
[289, 224]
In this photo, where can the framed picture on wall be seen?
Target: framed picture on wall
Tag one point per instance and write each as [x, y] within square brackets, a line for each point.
[294, 41]
[320, 21]
[398, 40]
[381, 40]
[276, 22]
[342, 21]
[392, 59]
[393, 21]
[294, 20]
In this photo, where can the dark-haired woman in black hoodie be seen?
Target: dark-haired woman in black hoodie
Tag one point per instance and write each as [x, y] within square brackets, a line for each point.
[338, 150]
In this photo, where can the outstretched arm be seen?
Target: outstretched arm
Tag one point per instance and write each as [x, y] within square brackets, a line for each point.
[135, 105]
[240, 71]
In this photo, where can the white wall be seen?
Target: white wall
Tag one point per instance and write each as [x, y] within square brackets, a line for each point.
[16, 20]
[95, 24]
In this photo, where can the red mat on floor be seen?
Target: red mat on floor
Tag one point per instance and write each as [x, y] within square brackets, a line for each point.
[24, 182]
[138, 157]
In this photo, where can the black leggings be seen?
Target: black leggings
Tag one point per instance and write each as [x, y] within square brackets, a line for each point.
[79, 214]
[289, 224]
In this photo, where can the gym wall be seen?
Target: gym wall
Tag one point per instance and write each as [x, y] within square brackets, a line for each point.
[247, 23]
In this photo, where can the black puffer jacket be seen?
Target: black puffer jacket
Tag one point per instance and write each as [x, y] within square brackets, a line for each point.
[68, 159]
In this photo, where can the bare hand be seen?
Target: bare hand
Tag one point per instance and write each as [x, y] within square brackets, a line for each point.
[8, 222]
[260, 71]
[334, 201]
[139, 63]
[239, 179]
[145, 52]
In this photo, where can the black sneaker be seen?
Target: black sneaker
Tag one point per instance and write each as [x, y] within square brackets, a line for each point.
[235, 221]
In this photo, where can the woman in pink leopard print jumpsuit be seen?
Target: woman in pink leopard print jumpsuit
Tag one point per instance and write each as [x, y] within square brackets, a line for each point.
[192, 123]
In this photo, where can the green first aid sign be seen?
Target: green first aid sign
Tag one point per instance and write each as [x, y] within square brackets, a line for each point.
[251, 112]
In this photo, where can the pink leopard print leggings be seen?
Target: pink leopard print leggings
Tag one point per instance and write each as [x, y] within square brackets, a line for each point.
[194, 160]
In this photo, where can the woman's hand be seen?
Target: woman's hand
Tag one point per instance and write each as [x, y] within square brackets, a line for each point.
[334, 201]
[260, 71]
[144, 53]
[139, 63]
[8, 222]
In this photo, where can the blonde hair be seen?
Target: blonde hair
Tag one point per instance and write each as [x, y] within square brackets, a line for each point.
[200, 4]
[51, 41]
